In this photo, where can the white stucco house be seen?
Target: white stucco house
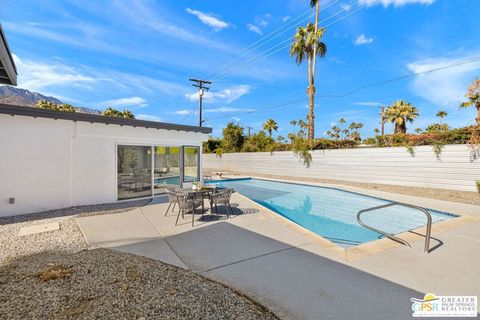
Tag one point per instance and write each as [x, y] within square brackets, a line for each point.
[54, 159]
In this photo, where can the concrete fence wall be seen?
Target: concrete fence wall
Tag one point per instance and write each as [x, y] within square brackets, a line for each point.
[454, 170]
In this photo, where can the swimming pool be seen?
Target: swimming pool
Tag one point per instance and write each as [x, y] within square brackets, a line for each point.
[329, 212]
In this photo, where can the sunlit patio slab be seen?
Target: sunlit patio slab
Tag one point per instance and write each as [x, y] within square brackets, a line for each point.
[221, 244]
[157, 249]
[119, 229]
[297, 284]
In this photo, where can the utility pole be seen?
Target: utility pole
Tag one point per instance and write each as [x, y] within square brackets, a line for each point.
[382, 115]
[200, 85]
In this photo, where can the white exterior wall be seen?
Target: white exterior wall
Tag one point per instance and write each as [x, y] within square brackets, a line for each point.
[49, 164]
[395, 166]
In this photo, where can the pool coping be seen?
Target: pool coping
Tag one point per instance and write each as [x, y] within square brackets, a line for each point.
[375, 246]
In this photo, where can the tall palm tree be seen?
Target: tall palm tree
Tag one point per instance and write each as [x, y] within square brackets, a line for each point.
[473, 96]
[270, 125]
[399, 113]
[316, 4]
[376, 131]
[307, 45]
[294, 125]
[442, 114]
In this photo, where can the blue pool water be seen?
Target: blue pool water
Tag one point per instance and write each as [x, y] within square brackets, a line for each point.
[330, 212]
[168, 181]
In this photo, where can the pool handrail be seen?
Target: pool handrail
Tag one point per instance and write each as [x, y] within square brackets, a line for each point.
[391, 236]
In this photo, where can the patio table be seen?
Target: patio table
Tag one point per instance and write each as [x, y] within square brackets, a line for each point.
[205, 191]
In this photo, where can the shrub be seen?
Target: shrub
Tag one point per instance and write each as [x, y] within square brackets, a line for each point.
[322, 143]
[211, 145]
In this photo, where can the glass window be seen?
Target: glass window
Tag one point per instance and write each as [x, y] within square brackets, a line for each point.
[190, 164]
[166, 168]
[134, 172]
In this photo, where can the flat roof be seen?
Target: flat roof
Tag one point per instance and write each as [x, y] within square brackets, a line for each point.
[14, 110]
[8, 71]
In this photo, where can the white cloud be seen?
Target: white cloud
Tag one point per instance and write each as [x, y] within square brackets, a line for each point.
[369, 104]
[332, 124]
[82, 82]
[226, 95]
[362, 39]
[345, 7]
[254, 28]
[237, 119]
[148, 117]
[395, 3]
[209, 20]
[227, 109]
[445, 87]
[183, 112]
[126, 102]
[260, 22]
[36, 76]
[286, 18]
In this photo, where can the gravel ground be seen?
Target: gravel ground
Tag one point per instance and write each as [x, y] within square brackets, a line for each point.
[439, 194]
[67, 239]
[104, 284]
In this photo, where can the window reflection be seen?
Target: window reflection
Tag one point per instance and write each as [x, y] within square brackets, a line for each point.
[134, 172]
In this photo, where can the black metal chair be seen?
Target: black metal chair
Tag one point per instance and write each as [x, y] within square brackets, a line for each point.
[172, 198]
[222, 197]
[188, 203]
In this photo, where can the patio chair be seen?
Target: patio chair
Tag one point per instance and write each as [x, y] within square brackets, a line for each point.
[222, 197]
[172, 198]
[188, 203]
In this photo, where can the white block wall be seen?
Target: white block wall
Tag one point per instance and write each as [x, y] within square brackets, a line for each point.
[395, 166]
[49, 164]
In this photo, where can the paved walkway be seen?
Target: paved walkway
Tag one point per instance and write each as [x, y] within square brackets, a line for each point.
[284, 267]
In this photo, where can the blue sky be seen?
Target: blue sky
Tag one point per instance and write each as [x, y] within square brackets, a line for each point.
[140, 55]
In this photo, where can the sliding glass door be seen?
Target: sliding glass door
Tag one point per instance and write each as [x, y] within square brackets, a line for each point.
[134, 172]
[166, 168]
[190, 164]
[143, 171]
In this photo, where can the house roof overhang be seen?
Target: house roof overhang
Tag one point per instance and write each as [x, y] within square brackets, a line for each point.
[94, 118]
[8, 71]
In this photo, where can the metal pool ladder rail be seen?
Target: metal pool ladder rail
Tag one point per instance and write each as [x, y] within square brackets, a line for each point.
[391, 236]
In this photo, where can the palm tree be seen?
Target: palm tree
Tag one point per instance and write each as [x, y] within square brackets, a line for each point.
[418, 130]
[376, 131]
[270, 125]
[473, 96]
[294, 125]
[307, 45]
[128, 114]
[442, 114]
[399, 113]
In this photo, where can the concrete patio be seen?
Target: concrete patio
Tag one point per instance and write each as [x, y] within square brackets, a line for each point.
[293, 272]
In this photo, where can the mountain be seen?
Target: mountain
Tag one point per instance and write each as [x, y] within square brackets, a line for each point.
[26, 98]
[23, 97]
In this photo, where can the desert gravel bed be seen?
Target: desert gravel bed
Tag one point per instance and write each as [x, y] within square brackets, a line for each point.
[67, 239]
[105, 284]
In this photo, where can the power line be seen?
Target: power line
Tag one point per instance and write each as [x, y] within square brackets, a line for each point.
[256, 44]
[188, 115]
[348, 93]
[262, 54]
[398, 78]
